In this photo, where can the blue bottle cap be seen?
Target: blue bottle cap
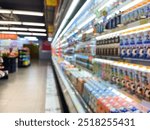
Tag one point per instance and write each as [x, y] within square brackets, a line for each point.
[123, 109]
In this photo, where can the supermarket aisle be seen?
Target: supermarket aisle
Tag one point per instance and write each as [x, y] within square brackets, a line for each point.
[25, 90]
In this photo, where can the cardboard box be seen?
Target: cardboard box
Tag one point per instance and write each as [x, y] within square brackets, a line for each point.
[80, 85]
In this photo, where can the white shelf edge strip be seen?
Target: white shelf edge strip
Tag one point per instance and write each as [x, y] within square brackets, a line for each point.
[52, 102]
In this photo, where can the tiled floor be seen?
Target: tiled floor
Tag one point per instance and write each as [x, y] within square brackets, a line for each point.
[24, 91]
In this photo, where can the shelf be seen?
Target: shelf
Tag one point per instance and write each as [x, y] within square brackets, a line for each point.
[113, 11]
[124, 28]
[109, 57]
[85, 54]
[5, 76]
[126, 93]
[138, 61]
[90, 71]
[73, 99]
[123, 91]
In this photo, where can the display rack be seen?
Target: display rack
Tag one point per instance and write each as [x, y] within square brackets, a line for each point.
[24, 57]
[73, 98]
[122, 51]
[10, 63]
[3, 70]
[124, 28]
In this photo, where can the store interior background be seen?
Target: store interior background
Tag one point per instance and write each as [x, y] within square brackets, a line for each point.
[75, 56]
[23, 89]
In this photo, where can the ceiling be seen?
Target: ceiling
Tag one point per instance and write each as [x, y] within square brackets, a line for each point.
[26, 5]
[34, 5]
[62, 10]
[52, 14]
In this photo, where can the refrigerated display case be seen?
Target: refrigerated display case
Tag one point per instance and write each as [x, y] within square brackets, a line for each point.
[118, 59]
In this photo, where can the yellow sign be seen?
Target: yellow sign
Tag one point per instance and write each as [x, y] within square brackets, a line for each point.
[51, 2]
[50, 28]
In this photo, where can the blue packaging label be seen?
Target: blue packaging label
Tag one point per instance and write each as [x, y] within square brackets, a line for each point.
[127, 39]
[122, 40]
[140, 38]
[136, 14]
[114, 110]
[147, 37]
[146, 10]
[133, 39]
[122, 109]
[142, 12]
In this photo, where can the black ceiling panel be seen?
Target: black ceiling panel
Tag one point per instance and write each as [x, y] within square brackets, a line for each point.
[32, 5]
[26, 18]
[26, 5]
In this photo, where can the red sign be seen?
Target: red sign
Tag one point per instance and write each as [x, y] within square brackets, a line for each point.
[46, 46]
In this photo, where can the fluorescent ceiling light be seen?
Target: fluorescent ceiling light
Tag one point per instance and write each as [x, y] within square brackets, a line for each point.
[72, 34]
[105, 3]
[75, 17]
[131, 4]
[10, 22]
[33, 13]
[37, 30]
[23, 29]
[24, 33]
[68, 14]
[80, 35]
[3, 28]
[19, 29]
[31, 38]
[123, 31]
[50, 39]
[19, 23]
[89, 31]
[125, 7]
[8, 32]
[39, 34]
[72, 8]
[33, 24]
[63, 40]
[21, 12]
[86, 22]
[4, 11]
